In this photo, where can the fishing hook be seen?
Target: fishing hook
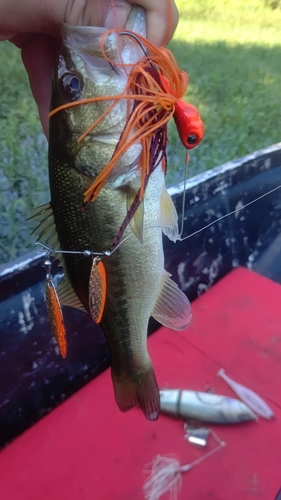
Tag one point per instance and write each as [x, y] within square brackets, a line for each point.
[134, 36]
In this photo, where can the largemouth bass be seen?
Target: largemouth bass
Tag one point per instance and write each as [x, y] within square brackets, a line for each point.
[134, 285]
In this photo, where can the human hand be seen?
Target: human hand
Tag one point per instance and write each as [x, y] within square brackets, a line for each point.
[34, 27]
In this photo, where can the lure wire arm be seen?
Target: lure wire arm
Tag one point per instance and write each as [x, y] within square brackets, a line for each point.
[97, 256]
[40, 247]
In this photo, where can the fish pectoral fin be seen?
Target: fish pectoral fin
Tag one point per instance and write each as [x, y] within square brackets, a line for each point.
[136, 222]
[67, 296]
[140, 390]
[168, 216]
[97, 291]
[172, 307]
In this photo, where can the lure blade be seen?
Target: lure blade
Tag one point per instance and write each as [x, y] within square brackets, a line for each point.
[197, 436]
[255, 402]
[97, 290]
[55, 316]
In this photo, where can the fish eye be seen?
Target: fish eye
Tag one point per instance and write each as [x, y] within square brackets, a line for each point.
[192, 139]
[71, 84]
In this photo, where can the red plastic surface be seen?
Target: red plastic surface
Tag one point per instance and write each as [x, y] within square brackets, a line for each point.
[87, 449]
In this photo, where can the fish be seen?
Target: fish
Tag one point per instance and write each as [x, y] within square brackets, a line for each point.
[122, 286]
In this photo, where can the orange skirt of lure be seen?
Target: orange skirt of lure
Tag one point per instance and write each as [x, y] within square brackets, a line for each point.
[56, 317]
[156, 85]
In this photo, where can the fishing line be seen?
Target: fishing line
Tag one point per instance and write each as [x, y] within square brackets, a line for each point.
[184, 193]
[40, 247]
[179, 238]
[230, 213]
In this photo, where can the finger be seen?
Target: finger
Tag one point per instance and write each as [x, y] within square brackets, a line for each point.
[39, 55]
[46, 17]
[37, 16]
[162, 19]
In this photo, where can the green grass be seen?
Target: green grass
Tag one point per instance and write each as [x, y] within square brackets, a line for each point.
[23, 154]
[231, 50]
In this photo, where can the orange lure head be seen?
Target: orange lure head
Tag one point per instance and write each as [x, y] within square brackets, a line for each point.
[187, 119]
[190, 126]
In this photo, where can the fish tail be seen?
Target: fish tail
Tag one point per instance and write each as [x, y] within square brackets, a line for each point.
[138, 390]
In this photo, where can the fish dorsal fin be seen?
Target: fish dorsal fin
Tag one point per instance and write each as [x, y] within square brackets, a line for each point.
[172, 308]
[41, 212]
[47, 234]
[97, 290]
[168, 216]
[67, 296]
[136, 222]
[44, 217]
[46, 230]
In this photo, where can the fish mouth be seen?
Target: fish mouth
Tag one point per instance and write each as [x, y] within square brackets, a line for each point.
[87, 38]
[136, 21]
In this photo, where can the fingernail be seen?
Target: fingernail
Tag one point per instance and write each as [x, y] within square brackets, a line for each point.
[116, 17]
